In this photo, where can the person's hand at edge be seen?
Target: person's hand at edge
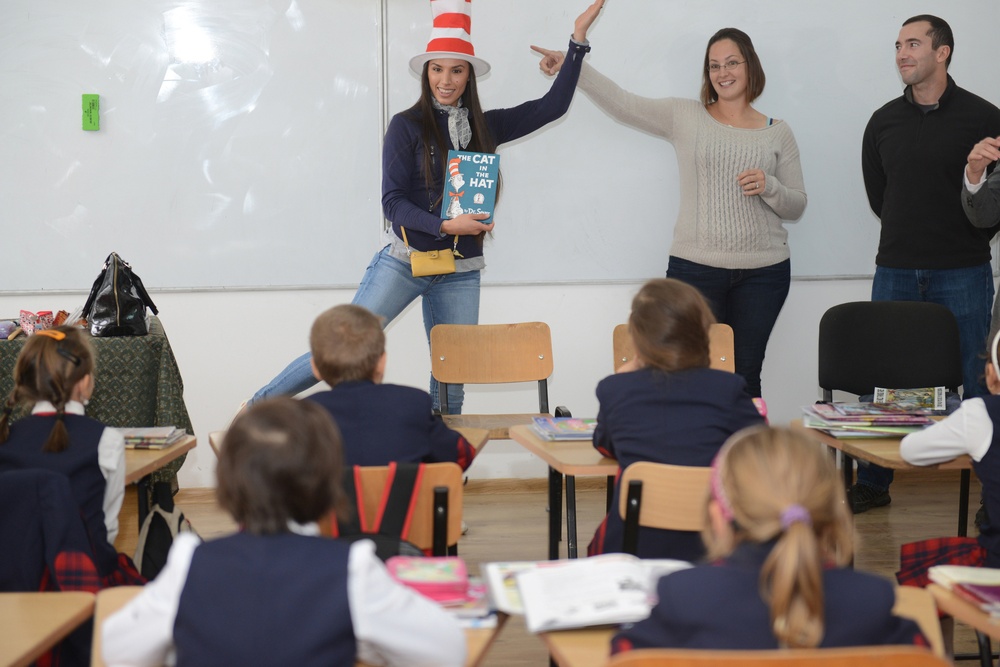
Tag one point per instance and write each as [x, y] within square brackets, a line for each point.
[552, 61]
[980, 157]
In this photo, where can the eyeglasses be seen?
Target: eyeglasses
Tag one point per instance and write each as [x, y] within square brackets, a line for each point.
[730, 65]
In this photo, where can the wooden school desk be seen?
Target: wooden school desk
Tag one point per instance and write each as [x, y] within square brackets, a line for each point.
[885, 452]
[583, 647]
[32, 623]
[136, 383]
[985, 626]
[140, 466]
[567, 458]
[110, 600]
[477, 643]
[591, 647]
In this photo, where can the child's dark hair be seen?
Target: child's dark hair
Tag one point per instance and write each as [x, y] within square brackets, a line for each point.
[50, 365]
[346, 342]
[280, 461]
[669, 325]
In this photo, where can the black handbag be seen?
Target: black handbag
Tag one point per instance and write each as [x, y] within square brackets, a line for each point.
[118, 301]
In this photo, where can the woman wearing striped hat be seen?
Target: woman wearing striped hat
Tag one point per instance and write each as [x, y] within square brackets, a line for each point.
[448, 116]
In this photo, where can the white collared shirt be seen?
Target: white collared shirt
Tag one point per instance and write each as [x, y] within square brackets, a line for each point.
[393, 624]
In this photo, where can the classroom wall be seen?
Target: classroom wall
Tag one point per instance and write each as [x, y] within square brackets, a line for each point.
[227, 344]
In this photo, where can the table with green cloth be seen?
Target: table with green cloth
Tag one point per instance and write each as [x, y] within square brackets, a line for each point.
[137, 383]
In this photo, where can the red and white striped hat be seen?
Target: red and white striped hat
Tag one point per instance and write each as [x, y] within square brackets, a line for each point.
[451, 36]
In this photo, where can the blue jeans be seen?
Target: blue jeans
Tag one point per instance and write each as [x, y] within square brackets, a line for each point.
[748, 300]
[968, 294]
[387, 288]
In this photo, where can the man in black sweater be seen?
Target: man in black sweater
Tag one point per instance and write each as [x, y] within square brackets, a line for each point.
[913, 153]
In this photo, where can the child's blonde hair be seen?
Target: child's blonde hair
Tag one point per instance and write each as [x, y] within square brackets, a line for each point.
[669, 325]
[48, 368]
[347, 342]
[777, 484]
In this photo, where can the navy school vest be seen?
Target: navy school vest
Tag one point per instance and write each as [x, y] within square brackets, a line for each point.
[266, 600]
[79, 462]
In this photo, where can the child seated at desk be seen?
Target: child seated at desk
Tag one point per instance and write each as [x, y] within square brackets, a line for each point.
[55, 374]
[778, 523]
[667, 406]
[277, 593]
[379, 422]
[971, 430]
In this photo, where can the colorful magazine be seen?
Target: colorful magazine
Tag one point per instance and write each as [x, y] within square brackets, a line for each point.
[924, 398]
[471, 185]
[564, 428]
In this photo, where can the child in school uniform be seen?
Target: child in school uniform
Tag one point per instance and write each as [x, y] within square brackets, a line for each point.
[55, 374]
[379, 422]
[971, 429]
[277, 593]
[779, 533]
[667, 406]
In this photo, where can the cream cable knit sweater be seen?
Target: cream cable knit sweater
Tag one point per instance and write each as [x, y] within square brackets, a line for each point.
[716, 224]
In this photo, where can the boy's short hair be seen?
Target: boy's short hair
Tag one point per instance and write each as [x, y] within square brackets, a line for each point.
[281, 461]
[347, 342]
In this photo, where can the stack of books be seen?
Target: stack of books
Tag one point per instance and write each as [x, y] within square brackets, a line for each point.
[977, 585]
[564, 428]
[151, 437]
[859, 420]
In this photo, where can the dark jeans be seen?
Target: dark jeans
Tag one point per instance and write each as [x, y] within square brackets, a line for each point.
[748, 300]
[968, 293]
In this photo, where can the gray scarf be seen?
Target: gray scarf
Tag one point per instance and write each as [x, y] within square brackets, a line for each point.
[458, 123]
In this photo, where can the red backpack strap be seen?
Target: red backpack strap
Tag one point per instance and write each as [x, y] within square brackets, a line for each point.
[399, 499]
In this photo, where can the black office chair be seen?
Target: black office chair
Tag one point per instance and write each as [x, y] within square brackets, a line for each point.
[892, 344]
[895, 344]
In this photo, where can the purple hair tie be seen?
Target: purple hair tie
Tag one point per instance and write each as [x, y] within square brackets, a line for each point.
[795, 514]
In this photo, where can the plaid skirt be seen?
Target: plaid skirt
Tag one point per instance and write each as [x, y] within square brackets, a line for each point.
[915, 558]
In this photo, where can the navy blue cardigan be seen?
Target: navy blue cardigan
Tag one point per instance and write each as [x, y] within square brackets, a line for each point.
[387, 422]
[406, 199]
[680, 418]
[719, 606]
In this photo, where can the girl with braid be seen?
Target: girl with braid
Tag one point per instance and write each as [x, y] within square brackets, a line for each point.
[54, 373]
[778, 534]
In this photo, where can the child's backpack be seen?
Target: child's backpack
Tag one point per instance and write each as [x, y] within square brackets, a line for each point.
[391, 525]
[158, 531]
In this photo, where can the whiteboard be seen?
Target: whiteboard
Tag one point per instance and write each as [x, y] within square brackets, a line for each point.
[240, 139]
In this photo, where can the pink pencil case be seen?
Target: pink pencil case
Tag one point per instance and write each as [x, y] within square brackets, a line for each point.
[442, 579]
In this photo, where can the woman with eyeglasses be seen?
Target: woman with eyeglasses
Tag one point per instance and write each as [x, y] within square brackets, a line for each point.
[740, 180]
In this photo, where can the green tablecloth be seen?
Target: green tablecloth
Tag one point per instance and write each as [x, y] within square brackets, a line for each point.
[137, 383]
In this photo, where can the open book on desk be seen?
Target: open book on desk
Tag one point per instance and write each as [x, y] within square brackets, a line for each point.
[576, 593]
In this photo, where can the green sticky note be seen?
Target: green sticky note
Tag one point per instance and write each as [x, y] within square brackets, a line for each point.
[91, 112]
